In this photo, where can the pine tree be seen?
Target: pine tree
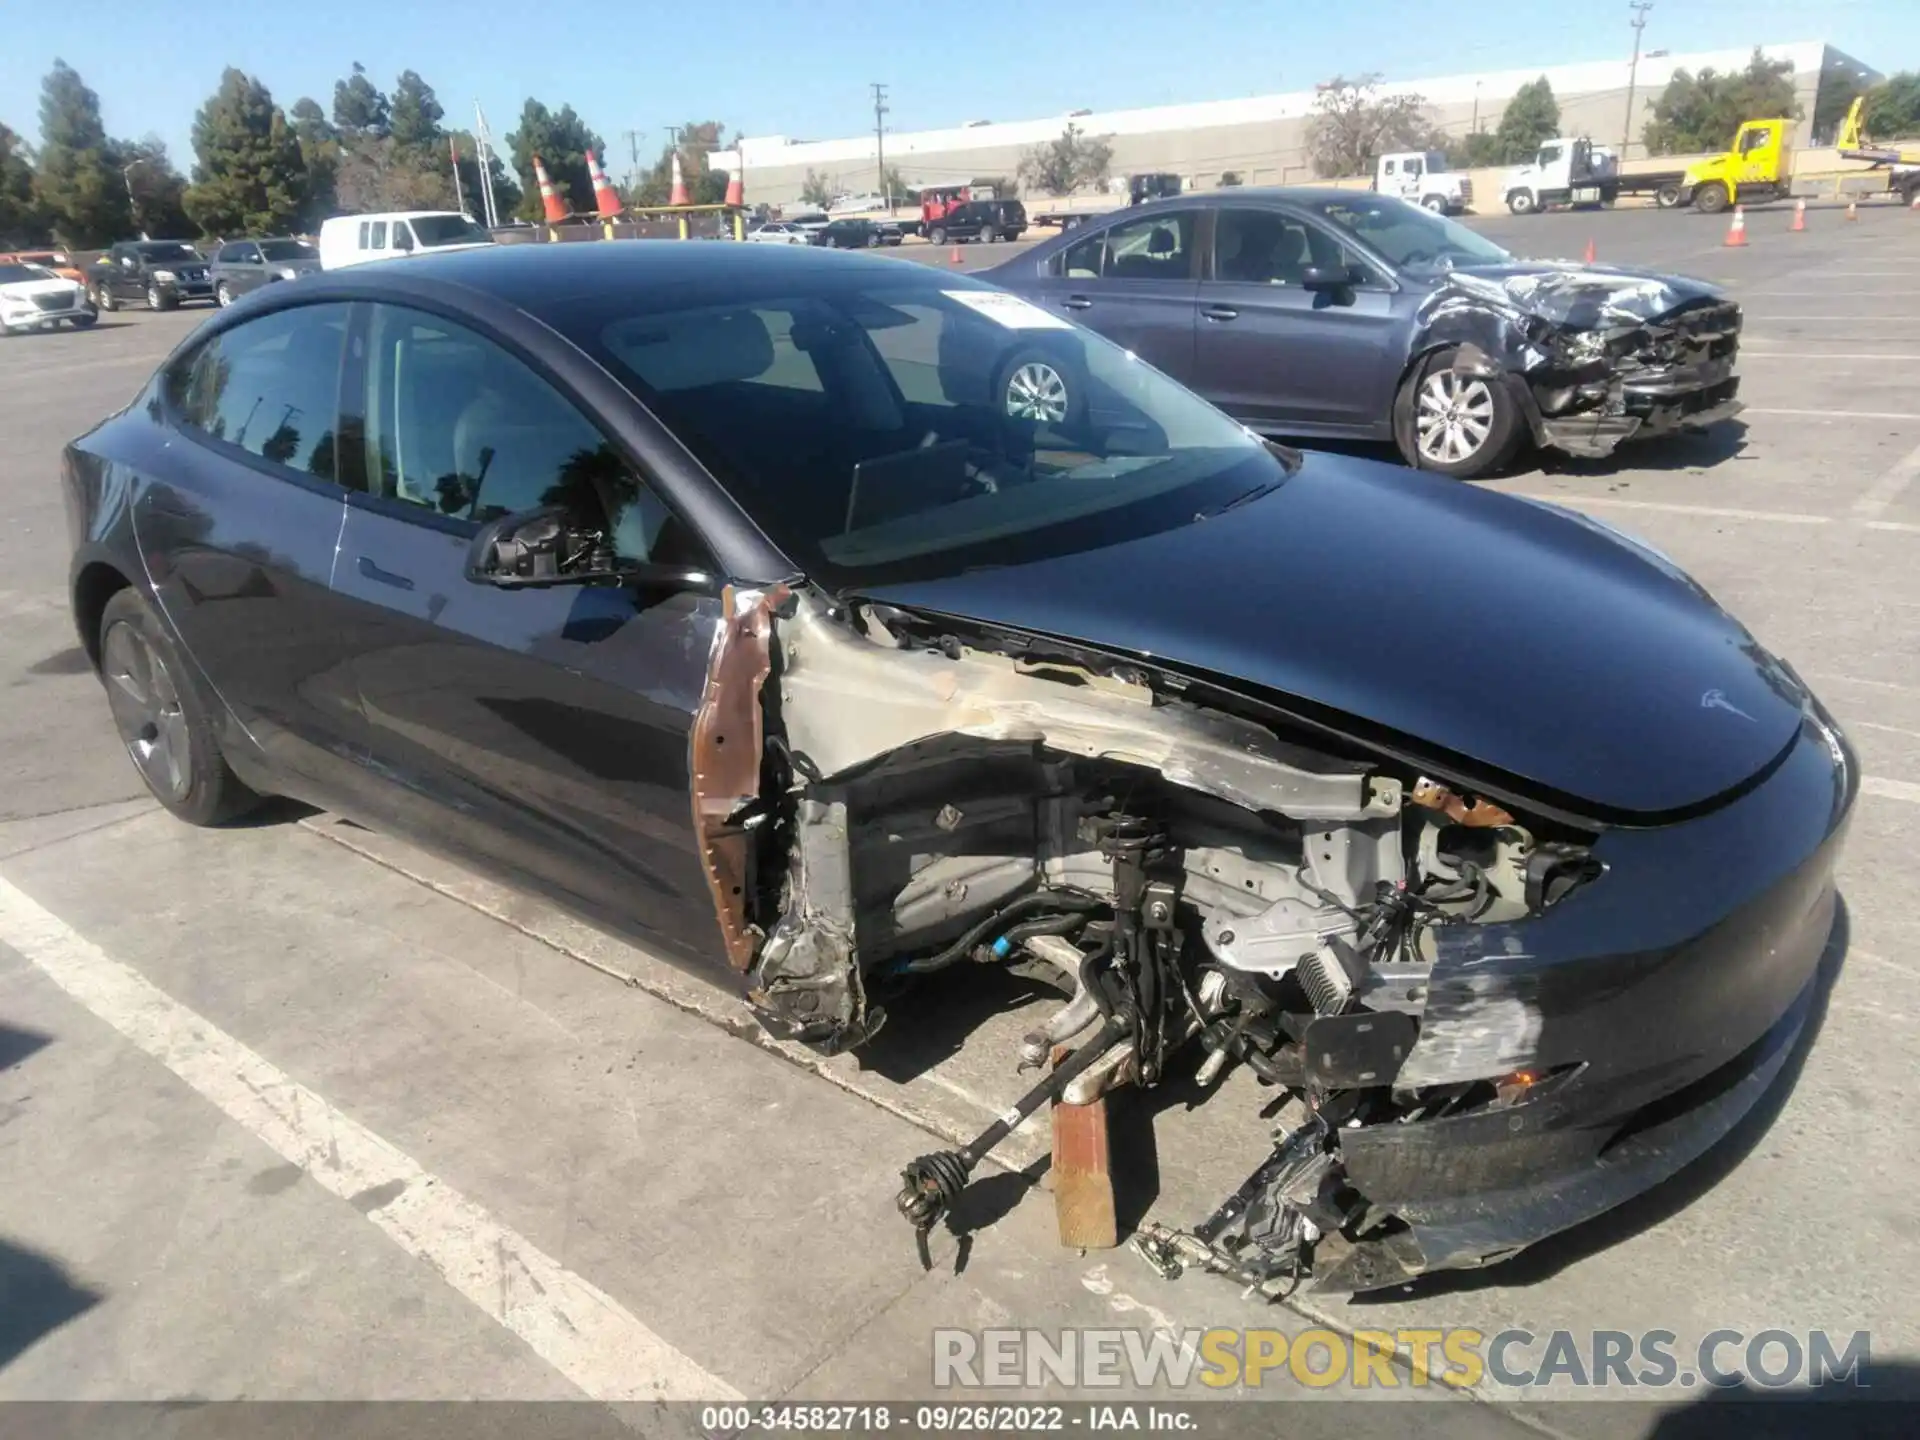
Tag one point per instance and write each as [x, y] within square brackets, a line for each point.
[561, 139]
[76, 187]
[319, 146]
[20, 222]
[249, 177]
[413, 113]
[158, 190]
[359, 108]
[1531, 116]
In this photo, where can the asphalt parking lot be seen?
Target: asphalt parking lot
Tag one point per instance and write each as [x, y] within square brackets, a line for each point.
[292, 1111]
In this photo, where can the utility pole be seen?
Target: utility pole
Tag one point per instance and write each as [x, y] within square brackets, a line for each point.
[880, 140]
[633, 138]
[1639, 23]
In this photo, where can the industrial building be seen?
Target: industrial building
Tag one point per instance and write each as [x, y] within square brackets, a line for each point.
[1261, 140]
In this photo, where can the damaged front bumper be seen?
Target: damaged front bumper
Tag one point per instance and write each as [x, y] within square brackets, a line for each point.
[1626, 1032]
[1643, 413]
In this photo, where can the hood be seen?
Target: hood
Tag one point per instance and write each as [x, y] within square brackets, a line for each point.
[1514, 635]
[1576, 296]
[27, 289]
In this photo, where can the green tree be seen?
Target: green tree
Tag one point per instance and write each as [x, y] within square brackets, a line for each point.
[1892, 110]
[1353, 124]
[82, 197]
[320, 151]
[379, 173]
[1700, 113]
[1532, 115]
[358, 106]
[506, 190]
[1475, 151]
[248, 174]
[1066, 163]
[20, 222]
[1837, 91]
[561, 139]
[816, 189]
[413, 113]
[158, 190]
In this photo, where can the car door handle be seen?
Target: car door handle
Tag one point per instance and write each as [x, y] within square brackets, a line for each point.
[1077, 302]
[384, 577]
[1221, 312]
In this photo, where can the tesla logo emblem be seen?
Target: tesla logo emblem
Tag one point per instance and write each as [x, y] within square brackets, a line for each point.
[1717, 700]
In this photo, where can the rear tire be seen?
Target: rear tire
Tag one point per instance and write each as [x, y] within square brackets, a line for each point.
[987, 236]
[1712, 198]
[161, 718]
[937, 236]
[1465, 426]
[1667, 197]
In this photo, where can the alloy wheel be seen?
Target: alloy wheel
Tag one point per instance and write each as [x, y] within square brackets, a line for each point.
[146, 710]
[1036, 391]
[224, 294]
[1454, 417]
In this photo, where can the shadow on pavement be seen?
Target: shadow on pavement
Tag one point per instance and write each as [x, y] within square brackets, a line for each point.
[1887, 1405]
[36, 1298]
[16, 1045]
[1550, 1256]
[1687, 450]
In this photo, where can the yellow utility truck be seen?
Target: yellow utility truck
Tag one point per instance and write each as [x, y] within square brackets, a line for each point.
[1758, 167]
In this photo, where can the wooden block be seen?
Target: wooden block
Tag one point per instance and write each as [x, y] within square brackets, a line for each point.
[1083, 1177]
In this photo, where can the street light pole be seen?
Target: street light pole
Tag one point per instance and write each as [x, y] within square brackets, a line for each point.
[1639, 23]
[133, 205]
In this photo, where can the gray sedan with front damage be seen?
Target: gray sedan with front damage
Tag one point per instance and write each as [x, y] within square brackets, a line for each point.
[1350, 315]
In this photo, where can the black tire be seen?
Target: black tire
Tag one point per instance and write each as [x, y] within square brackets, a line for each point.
[158, 299]
[81, 322]
[1712, 198]
[223, 295]
[937, 236]
[873, 240]
[987, 237]
[1667, 197]
[1521, 202]
[1491, 448]
[1436, 203]
[162, 719]
[104, 298]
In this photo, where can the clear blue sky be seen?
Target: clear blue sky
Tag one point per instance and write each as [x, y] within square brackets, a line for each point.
[774, 66]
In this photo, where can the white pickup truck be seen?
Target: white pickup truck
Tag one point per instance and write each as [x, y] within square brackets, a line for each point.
[1567, 170]
[1422, 177]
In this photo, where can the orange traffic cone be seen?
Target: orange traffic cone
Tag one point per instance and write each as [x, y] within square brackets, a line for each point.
[1853, 210]
[1737, 231]
[1799, 215]
[954, 258]
[605, 198]
[1589, 251]
[679, 195]
[549, 198]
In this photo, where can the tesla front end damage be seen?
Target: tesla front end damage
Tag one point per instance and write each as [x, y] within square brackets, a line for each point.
[1594, 356]
[1504, 1011]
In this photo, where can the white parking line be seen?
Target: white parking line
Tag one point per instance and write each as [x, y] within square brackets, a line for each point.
[577, 1328]
[1891, 789]
[1778, 517]
[1836, 319]
[1888, 488]
[1836, 414]
[1746, 354]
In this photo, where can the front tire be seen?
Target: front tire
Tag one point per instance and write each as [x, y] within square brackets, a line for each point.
[1712, 198]
[1521, 202]
[82, 322]
[1037, 387]
[161, 718]
[1457, 424]
[1436, 203]
[158, 299]
[103, 297]
[223, 294]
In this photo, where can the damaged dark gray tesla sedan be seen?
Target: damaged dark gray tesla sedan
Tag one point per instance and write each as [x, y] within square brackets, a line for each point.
[746, 601]
[1336, 313]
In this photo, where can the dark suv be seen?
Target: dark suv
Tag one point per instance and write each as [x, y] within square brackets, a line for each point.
[985, 220]
[164, 273]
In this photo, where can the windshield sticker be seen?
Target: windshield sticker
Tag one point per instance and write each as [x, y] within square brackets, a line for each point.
[1007, 310]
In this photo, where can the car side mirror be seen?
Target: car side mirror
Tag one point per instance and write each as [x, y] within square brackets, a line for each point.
[1326, 277]
[403, 243]
[539, 549]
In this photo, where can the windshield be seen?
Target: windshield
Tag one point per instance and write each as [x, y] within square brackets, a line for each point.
[14, 274]
[1409, 237]
[880, 428]
[288, 250]
[432, 230]
[1436, 161]
[167, 250]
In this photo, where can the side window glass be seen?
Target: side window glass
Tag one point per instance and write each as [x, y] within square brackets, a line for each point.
[271, 387]
[458, 426]
[378, 240]
[1389, 167]
[366, 230]
[1156, 247]
[1265, 247]
[1082, 261]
